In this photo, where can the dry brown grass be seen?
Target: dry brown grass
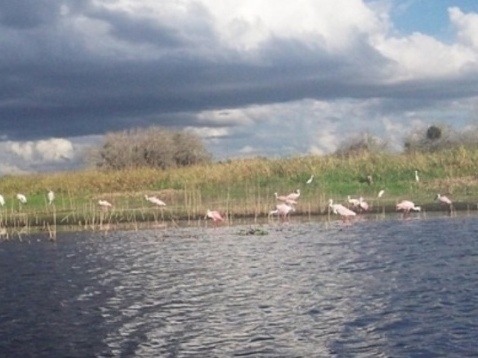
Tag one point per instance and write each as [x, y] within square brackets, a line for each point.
[245, 187]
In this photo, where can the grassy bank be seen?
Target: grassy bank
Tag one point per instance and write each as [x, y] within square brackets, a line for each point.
[240, 188]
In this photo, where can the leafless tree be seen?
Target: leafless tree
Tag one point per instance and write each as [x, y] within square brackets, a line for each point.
[358, 144]
[149, 147]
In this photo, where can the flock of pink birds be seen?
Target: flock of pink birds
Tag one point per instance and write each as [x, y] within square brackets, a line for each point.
[359, 205]
[286, 205]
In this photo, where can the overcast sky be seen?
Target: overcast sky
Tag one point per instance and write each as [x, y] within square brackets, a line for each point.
[269, 78]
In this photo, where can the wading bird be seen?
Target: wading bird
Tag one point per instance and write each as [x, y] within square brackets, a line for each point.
[214, 215]
[342, 211]
[310, 179]
[294, 196]
[363, 205]
[105, 204]
[2, 200]
[155, 200]
[354, 202]
[22, 198]
[280, 197]
[380, 193]
[51, 197]
[285, 199]
[417, 178]
[282, 211]
[445, 200]
[406, 206]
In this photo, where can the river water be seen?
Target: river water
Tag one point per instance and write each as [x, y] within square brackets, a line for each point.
[375, 288]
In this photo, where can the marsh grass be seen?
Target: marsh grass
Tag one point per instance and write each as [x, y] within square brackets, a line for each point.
[239, 188]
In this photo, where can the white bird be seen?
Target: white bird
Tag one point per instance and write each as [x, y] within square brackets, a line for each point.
[406, 206]
[283, 211]
[310, 179]
[51, 197]
[353, 202]
[155, 200]
[417, 178]
[22, 198]
[380, 193]
[2, 200]
[341, 210]
[294, 196]
[105, 203]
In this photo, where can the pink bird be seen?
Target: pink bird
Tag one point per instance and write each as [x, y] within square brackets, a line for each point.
[341, 210]
[214, 215]
[285, 199]
[155, 200]
[294, 196]
[363, 204]
[354, 202]
[406, 206]
[280, 197]
[105, 204]
[283, 211]
[443, 199]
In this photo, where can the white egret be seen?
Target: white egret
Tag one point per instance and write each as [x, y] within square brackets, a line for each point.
[51, 197]
[104, 203]
[22, 198]
[155, 200]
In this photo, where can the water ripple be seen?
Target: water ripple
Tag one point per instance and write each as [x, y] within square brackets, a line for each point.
[376, 288]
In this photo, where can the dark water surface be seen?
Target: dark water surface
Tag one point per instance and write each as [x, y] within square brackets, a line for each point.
[390, 288]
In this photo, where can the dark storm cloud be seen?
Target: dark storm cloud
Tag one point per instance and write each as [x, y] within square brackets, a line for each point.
[55, 85]
[58, 81]
[142, 29]
[27, 14]
[69, 92]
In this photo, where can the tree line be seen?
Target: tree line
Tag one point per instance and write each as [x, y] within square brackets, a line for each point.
[434, 138]
[162, 148]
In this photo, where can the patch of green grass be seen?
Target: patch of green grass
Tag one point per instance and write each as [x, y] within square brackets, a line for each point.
[246, 187]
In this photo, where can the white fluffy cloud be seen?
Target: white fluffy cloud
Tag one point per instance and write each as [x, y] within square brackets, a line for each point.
[466, 25]
[248, 23]
[48, 154]
[50, 150]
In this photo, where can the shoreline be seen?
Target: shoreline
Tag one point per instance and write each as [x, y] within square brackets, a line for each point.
[19, 223]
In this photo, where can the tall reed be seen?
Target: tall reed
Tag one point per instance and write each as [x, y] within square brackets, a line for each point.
[237, 188]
